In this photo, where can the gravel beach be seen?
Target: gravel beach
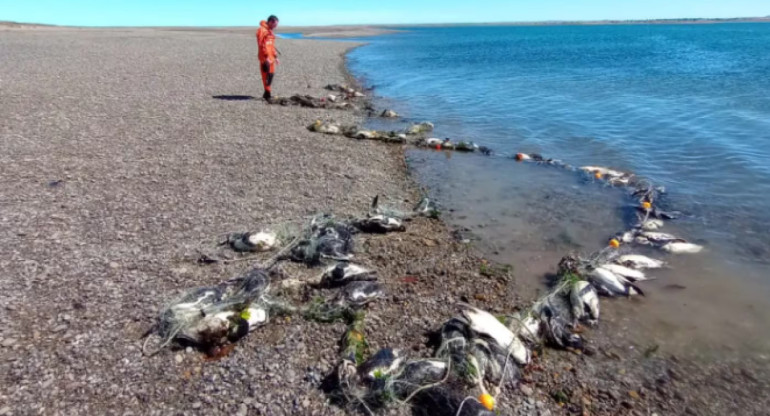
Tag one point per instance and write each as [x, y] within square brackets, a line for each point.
[125, 152]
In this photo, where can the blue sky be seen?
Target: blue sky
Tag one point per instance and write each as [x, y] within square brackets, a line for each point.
[327, 12]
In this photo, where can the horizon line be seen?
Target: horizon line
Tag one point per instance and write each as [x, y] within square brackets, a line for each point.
[386, 25]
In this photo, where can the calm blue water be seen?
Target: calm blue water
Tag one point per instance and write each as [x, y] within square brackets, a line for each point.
[687, 106]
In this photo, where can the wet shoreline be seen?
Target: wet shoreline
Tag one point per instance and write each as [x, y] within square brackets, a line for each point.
[620, 336]
[532, 227]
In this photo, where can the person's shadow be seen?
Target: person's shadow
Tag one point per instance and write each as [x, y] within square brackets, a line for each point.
[233, 97]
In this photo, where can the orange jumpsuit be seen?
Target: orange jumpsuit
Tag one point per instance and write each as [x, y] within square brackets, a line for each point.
[266, 45]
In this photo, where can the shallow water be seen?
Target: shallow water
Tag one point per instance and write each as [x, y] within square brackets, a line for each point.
[684, 106]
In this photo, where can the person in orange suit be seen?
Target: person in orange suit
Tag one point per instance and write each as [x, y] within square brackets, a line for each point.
[268, 59]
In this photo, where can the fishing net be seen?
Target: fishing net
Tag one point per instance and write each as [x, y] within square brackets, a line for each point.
[211, 315]
[326, 238]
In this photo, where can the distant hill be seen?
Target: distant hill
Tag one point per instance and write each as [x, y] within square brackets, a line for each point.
[16, 25]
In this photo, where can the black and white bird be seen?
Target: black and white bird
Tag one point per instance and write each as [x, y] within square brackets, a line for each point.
[610, 284]
[360, 293]
[343, 273]
[252, 241]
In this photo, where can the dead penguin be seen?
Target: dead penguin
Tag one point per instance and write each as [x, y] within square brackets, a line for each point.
[360, 293]
[379, 224]
[343, 273]
[383, 363]
[682, 247]
[483, 323]
[628, 273]
[637, 261]
[585, 302]
[252, 241]
[610, 284]
[424, 127]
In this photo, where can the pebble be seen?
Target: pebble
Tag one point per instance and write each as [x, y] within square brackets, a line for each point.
[9, 342]
[5, 411]
[526, 390]
[179, 358]
[243, 410]
[197, 405]
[114, 265]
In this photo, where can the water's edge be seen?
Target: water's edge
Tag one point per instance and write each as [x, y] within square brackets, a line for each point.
[664, 316]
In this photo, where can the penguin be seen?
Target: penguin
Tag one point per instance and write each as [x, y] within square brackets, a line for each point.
[611, 284]
[585, 302]
[555, 313]
[379, 224]
[637, 261]
[383, 363]
[630, 274]
[343, 272]
[359, 293]
[483, 323]
[682, 247]
[252, 241]
[426, 206]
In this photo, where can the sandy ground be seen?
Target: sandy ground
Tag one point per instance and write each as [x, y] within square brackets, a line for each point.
[117, 164]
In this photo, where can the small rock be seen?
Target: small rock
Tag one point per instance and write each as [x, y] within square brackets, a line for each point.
[526, 390]
[9, 342]
[197, 405]
[748, 375]
[114, 265]
[674, 374]
[5, 411]
[306, 403]
[634, 395]
[59, 328]
[188, 350]
[178, 358]
[243, 410]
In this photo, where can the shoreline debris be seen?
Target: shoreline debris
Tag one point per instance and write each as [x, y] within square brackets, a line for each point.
[478, 351]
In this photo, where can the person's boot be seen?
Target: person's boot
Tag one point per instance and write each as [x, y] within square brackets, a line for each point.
[267, 96]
